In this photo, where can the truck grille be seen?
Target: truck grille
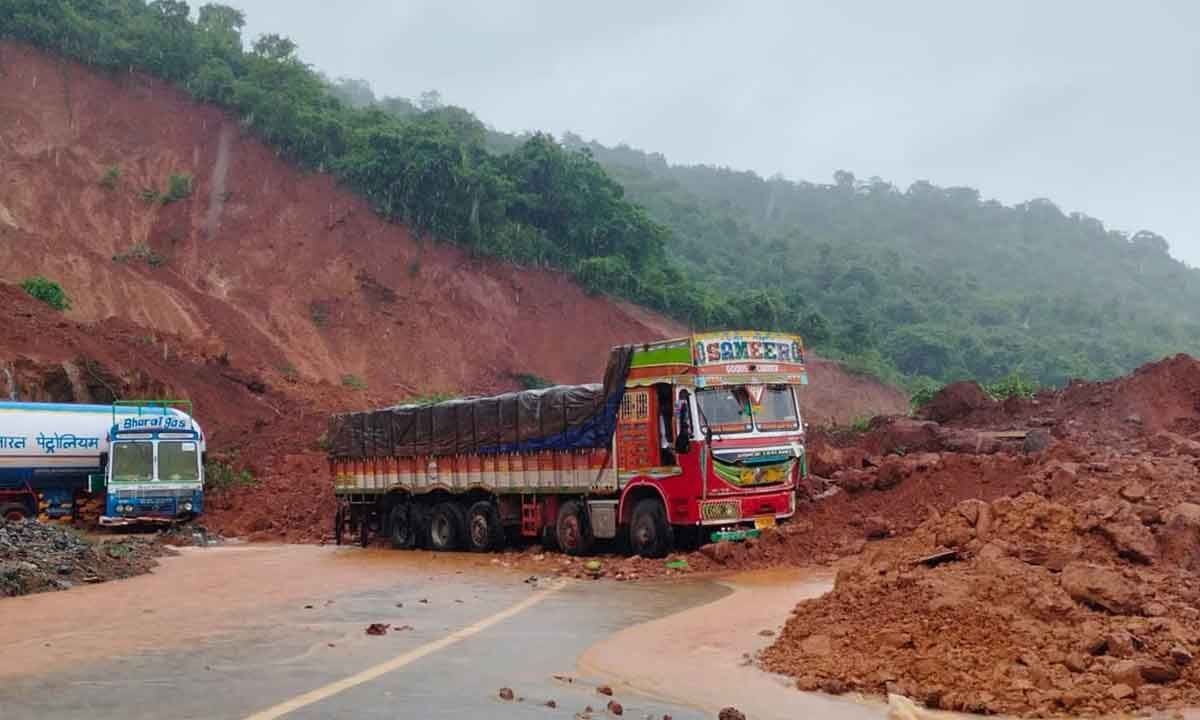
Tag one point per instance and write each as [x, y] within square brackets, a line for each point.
[719, 510]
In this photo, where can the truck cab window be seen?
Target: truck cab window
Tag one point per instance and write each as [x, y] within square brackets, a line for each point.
[133, 462]
[178, 462]
[726, 409]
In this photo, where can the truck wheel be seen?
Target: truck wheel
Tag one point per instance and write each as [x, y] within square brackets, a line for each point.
[572, 531]
[649, 532]
[403, 525]
[484, 531]
[13, 512]
[446, 527]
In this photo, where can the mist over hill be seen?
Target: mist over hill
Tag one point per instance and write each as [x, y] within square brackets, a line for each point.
[923, 284]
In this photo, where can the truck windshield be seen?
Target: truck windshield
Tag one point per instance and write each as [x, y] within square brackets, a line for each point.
[132, 462]
[778, 410]
[728, 410]
[178, 462]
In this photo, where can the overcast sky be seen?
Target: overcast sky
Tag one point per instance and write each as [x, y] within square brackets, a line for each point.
[1095, 105]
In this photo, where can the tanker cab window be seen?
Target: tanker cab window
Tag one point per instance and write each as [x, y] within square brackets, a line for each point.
[132, 462]
[178, 462]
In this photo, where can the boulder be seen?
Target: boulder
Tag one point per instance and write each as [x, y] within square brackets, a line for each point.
[954, 401]
[1100, 587]
[876, 528]
[1116, 520]
[1134, 492]
[1181, 656]
[906, 435]
[1179, 535]
[890, 474]
[1036, 441]
[719, 552]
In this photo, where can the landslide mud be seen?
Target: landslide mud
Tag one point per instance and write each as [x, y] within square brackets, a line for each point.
[1077, 592]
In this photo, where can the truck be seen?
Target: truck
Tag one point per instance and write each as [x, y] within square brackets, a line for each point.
[686, 440]
[132, 462]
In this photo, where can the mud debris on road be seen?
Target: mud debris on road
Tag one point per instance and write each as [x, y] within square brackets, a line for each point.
[1075, 591]
[38, 557]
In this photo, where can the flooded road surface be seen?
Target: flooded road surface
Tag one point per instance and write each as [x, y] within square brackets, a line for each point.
[278, 631]
[709, 649]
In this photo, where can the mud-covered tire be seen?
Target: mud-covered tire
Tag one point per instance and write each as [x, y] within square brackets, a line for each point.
[650, 534]
[572, 531]
[13, 512]
[484, 531]
[447, 527]
[402, 526]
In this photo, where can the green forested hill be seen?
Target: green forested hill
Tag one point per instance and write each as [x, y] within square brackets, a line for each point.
[937, 280]
[925, 284]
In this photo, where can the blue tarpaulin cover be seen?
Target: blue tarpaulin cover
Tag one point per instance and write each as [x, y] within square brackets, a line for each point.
[563, 417]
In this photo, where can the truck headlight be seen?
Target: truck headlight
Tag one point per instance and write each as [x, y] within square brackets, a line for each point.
[187, 506]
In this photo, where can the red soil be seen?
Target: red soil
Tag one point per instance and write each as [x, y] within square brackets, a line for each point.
[269, 285]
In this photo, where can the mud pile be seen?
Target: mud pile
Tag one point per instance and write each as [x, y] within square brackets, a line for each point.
[37, 557]
[1079, 596]
[1163, 395]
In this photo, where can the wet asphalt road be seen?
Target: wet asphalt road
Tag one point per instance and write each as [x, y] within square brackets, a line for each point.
[276, 654]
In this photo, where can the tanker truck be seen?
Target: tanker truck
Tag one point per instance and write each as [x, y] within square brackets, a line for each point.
[686, 440]
[130, 462]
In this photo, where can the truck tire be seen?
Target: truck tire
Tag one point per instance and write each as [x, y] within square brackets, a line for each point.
[447, 527]
[484, 531]
[649, 532]
[572, 531]
[403, 526]
[13, 512]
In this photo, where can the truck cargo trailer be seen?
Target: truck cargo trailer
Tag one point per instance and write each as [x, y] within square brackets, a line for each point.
[684, 438]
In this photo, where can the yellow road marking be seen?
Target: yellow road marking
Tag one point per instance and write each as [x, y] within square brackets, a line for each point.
[400, 661]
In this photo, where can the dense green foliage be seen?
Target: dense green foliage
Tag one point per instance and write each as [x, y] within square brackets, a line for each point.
[47, 291]
[925, 284]
[936, 281]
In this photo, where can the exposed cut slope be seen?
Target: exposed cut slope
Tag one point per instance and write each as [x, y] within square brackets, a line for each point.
[275, 267]
[281, 270]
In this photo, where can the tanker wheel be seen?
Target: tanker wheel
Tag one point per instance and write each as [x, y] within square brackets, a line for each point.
[649, 532]
[484, 531]
[403, 526]
[447, 526]
[572, 531]
[13, 512]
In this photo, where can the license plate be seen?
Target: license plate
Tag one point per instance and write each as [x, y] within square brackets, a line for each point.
[764, 522]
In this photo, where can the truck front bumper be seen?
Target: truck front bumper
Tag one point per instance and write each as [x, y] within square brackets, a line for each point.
[778, 505]
[154, 506]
